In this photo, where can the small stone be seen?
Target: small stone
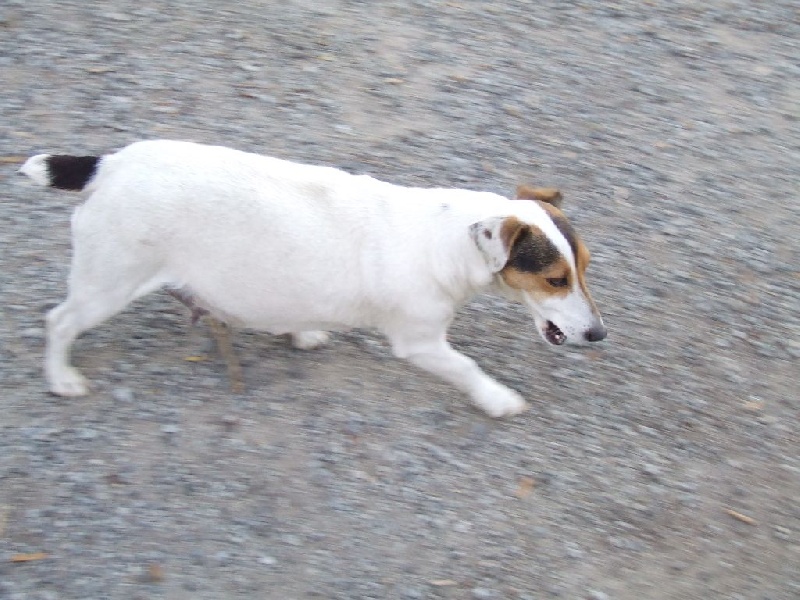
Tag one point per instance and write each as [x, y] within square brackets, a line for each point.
[170, 428]
[574, 552]
[292, 540]
[118, 16]
[792, 348]
[651, 470]
[122, 394]
[597, 595]
[87, 434]
[32, 333]
[483, 593]
[617, 542]
[782, 533]
[267, 560]
[354, 427]
[462, 526]
[230, 422]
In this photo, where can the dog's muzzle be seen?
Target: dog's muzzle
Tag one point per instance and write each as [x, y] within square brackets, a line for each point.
[554, 335]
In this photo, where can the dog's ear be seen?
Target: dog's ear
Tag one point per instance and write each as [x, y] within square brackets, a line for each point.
[495, 237]
[550, 195]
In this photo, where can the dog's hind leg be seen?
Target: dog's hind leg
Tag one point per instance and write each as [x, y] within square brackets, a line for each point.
[432, 352]
[187, 300]
[79, 312]
[222, 336]
[102, 282]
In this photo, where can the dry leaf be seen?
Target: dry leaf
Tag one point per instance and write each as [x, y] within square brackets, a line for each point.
[443, 582]
[11, 160]
[17, 558]
[753, 405]
[526, 485]
[195, 358]
[621, 194]
[155, 573]
[740, 517]
[593, 354]
[4, 510]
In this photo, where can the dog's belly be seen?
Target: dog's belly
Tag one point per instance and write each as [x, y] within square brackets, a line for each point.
[263, 269]
[301, 327]
[273, 317]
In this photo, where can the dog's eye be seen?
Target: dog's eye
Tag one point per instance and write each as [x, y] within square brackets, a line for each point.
[558, 282]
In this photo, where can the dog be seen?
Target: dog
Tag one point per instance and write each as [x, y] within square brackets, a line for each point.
[297, 249]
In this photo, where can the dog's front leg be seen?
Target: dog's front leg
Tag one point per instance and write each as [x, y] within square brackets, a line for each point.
[435, 355]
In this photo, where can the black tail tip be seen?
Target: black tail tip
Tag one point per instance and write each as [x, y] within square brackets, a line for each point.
[71, 172]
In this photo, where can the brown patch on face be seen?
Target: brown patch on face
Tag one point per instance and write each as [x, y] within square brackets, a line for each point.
[581, 263]
[537, 284]
[550, 196]
[533, 259]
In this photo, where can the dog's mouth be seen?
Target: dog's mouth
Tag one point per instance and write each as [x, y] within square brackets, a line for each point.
[553, 334]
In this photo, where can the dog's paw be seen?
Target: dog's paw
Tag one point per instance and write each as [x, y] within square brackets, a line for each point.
[69, 383]
[499, 401]
[308, 340]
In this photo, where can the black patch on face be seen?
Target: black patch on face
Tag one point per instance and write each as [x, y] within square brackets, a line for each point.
[532, 253]
[568, 232]
[71, 172]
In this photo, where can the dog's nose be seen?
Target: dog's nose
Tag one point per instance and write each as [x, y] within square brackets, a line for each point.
[595, 334]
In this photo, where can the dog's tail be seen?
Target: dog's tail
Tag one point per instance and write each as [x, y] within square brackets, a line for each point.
[61, 171]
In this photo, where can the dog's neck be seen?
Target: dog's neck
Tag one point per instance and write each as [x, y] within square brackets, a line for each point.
[458, 266]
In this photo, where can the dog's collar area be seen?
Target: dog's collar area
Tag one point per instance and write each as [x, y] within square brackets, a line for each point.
[553, 334]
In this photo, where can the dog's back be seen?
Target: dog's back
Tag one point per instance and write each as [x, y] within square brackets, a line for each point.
[254, 236]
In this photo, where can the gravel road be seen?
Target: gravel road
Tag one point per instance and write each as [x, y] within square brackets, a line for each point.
[661, 464]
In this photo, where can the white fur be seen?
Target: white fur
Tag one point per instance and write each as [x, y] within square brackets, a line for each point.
[36, 169]
[286, 248]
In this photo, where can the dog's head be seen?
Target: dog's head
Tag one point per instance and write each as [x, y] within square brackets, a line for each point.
[539, 260]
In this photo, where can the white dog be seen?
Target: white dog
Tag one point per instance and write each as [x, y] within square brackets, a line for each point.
[291, 248]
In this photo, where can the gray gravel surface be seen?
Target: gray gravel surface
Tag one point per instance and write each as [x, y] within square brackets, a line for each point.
[660, 464]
